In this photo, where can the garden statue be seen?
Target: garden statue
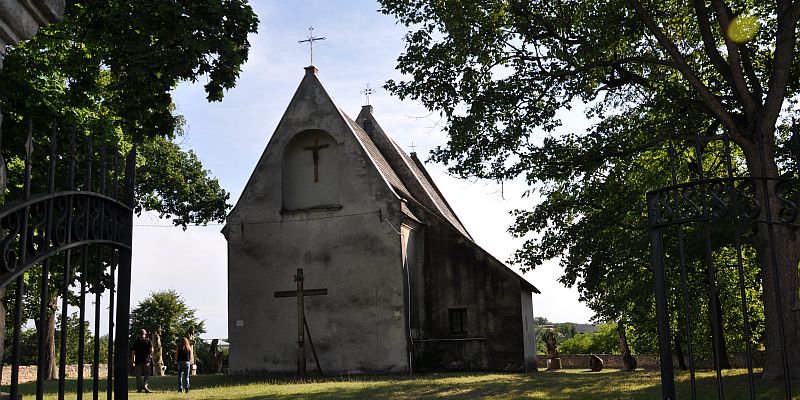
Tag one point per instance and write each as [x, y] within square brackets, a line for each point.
[158, 356]
[215, 363]
[553, 362]
[192, 336]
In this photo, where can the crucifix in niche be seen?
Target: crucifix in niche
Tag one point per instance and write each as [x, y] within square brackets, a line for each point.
[315, 154]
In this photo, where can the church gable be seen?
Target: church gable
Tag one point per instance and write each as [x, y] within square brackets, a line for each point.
[309, 156]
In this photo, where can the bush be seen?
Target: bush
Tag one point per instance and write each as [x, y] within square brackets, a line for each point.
[605, 341]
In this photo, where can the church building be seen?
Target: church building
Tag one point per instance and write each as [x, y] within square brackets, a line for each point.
[393, 282]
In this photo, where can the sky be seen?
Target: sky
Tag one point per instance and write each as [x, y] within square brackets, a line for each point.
[361, 47]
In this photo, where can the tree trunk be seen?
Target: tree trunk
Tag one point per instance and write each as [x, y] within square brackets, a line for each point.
[679, 352]
[779, 274]
[52, 364]
[784, 292]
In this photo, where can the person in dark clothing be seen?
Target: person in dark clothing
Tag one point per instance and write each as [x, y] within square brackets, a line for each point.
[141, 354]
[183, 356]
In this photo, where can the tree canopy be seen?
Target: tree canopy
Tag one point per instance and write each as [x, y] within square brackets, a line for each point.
[503, 74]
[168, 312]
[123, 58]
[107, 71]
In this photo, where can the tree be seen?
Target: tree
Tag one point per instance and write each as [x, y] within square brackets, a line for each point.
[165, 310]
[604, 341]
[108, 70]
[500, 71]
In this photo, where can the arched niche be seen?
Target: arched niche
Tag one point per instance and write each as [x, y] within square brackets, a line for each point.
[311, 171]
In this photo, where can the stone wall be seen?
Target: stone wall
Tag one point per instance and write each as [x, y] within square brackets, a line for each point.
[647, 361]
[27, 373]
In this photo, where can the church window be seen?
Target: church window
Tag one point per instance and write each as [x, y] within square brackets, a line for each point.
[311, 171]
[458, 321]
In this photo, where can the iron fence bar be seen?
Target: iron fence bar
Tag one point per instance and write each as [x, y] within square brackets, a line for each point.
[110, 350]
[82, 319]
[110, 369]
[23, 249]
[44, 300]
[740, 268]
[87, 185]
[775, 275]
[111, 322]
[662, 314]
[15, 351]
[97, 297]
[124, 285]
[114, 261]
[684, 277]
[99, 270]
[62, 361]
[717, 338]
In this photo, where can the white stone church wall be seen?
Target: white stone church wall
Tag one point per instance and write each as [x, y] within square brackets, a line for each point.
[347, 248]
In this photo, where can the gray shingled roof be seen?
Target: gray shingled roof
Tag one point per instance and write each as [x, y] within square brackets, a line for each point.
[412, 173]
[376, 156]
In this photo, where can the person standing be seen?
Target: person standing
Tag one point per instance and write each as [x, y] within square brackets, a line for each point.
[183, 356]
[141, 354]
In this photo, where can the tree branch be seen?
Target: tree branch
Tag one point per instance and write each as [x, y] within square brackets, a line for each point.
[781, 65]
[751, 106]
[714, 105]
[618, 63]
[747, 62]
[708, 40]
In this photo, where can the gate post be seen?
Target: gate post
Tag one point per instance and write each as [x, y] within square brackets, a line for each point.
[662, 314]
[124, 288]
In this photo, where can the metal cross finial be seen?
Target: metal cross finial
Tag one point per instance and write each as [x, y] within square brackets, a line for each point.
[367, 91]
[311, 39]
[413, 148]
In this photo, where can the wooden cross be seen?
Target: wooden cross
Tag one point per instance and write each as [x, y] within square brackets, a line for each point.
[367, 91]
[315, 154]
[300, 293]
[311, 39]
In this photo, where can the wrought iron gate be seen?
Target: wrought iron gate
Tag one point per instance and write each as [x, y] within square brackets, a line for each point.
[73, 226]
[695, 216]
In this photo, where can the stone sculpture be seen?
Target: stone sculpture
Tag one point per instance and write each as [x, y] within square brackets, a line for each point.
[595, 363]
[158, 354]
[553, 362]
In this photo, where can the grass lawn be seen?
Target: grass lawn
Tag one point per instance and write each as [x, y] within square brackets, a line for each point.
[566, 384]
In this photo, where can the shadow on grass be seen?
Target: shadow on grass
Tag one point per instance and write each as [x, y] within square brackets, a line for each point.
[565, 384]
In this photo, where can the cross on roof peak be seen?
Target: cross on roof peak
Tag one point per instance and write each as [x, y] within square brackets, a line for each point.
[311, 39]
[367, 91]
